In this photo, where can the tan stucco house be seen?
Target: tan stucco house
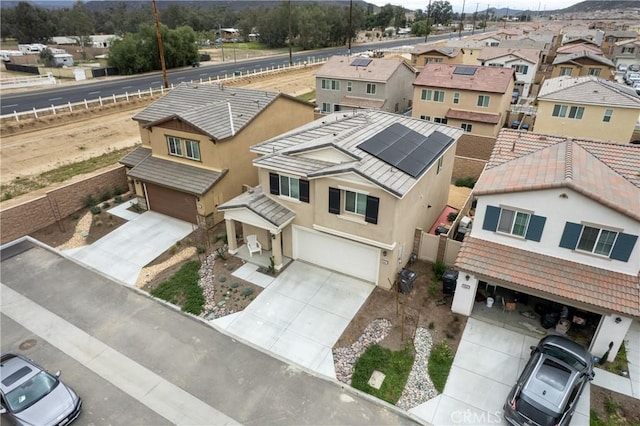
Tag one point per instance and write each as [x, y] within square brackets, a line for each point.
[423, 54]
[582, 63]
[587, 107]
[474, 98]
[355, 82]
[195, 146]
[347, 192]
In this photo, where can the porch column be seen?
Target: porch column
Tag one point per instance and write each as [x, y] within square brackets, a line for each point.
[612, 329]
[276, 249]
[231, 236]
[465, 295]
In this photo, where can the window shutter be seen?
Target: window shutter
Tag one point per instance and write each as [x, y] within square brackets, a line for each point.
[536, 225]
[334, 200]
[623, 247]
[491, 217]
[570, 235]
[304, 190]
[371, 214]
[274, 183]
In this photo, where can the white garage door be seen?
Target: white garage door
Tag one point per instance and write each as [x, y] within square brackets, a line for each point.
[337, 254]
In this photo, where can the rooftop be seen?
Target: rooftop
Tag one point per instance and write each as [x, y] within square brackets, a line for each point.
[588, 90]
[354, 68]
[466, 77]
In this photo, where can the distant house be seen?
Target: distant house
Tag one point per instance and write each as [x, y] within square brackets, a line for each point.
[582, 64]
[352, 82]
[587, 107]
[474, 98]
[613, 37]
[524, 61]
[423, 54]
[626, 52]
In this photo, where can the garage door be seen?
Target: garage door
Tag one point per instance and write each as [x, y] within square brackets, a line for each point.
[172, 203]
[338, 254]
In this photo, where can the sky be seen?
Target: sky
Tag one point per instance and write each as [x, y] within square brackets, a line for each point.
[470, 5]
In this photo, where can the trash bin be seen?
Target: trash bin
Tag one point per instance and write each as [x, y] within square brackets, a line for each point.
[449, 280]
[406, 277]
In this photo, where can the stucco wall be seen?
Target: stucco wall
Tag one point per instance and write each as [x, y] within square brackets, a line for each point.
[58, 203]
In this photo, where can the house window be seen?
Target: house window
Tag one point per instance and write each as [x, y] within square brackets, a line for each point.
[565, 71]
[513, 222]
[594, 71]
[456, 97]
[330, 84]
[326, 107]
[438, 96]
[433, 61]
[466, 127]
[355, 202]
[596, 240]
[192, 149]
[440, 162]
[426, 95]
[496, 65]
[397, 107]
[607, 115]
[576, 112]
[628, 49]
[425, 117]
[371, 89]
[522, 69]
[441, 120]
[175, 146]
[349, 86]
[559, 111]
[483, 101]
[335, 85]
[324, 84]
[289, 187]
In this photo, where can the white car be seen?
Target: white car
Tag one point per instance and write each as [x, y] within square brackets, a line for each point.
[622, 67]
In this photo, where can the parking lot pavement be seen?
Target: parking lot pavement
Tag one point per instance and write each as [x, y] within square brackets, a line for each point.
[44, 292]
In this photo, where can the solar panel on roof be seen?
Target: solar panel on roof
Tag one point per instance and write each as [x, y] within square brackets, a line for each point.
[361, 62]
[464, 70]
[406, 149]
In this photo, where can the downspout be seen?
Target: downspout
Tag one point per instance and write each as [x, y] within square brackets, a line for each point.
[233, 131]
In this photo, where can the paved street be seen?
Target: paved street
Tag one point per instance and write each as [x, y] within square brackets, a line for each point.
[130, 357]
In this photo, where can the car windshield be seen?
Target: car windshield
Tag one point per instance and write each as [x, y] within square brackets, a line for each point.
[565, 356]
[31, 391]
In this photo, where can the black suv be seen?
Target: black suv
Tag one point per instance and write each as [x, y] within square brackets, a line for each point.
[547, 391]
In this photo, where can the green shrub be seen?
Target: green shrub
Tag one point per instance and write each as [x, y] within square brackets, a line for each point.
[222, 278]
[105, 205]
[434, 290]
[468, 182]
[117, 190]
[432, 325]
[201, 249]
[440, 361]
[95, 210]
[230, 267]
[235, 284]
[247, 291]
[451, 217]
[105, 194]
[7, 196]
[75, 216]
[439, 268]
[88, 201]
[117, 199]
[221, 254]
[183, 289]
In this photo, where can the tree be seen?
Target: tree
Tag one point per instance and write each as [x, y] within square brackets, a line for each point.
[273, 25]
[47, 57]
[441, 12]
[31, 25]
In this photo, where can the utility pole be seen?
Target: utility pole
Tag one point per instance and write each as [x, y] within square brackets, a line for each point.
[290, 53]
[160, 48]
[486, 15]
[461, 20]
[427, 26]
[221, 41]
[506, 18]
[350, 30]
[474, 19]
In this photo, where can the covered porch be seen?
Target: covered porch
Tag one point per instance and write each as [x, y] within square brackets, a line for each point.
[262, 260]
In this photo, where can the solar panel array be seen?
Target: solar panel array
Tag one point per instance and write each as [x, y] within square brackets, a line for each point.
[360, 62]
[464, 70]
[406, 149]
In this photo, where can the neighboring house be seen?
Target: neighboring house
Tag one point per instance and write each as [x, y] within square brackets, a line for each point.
[354, 82]
[544, 43]
[579, 48]
[470, 48]
[557, 220]
[582, 63]
[474, 98]
[423, 54]
[347, 192]
[587, 107]
[524, 61]
[195, 146]
[582, 34]
[611, 38]
[626, 52]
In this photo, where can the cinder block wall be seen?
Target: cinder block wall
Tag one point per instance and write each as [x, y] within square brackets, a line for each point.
[30, 216]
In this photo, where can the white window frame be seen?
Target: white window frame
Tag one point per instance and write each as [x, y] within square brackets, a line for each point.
[608, 113]
[289, 186]
[438, 96]
[326, 107]
[349, 86]
[425, 117]
[598, 247]
[440, 120]
[357, 200]
[456, 97]
[559, 110]
[371, 89]
[426, 94]
[174, 146]
[521, 69]
[440, 163]
[324, 84]
[507, 225]
[190, 152]
[466, 127]
[565, 71]
[335, 84]
[576, 112]
[481, 101]
[594, 71]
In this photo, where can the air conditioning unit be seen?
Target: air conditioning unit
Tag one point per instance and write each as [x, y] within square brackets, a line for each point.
[465, 225]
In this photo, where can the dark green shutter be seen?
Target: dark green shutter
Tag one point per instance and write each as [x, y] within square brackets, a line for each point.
[623, 247]
[570, 235]
[304, 190]
[371, 214]
[491, 217]
[274, 183]
[334, 200]
[536, 225]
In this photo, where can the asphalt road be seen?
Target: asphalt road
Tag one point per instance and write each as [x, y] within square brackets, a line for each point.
[107, 87]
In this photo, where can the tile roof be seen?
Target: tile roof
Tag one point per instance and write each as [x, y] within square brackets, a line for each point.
[588, 90]
[625, 42]
[492, 52]
[525, 161]
[574, 57]
[354, 101]
[548, 275]
[175, 175]
[265, 207]
[485, 79]
[216, 110]
[134, 157]
[579, 48]
[379, 69]
[481, 117]
[420, 49]
[621, 34]
[344, 132]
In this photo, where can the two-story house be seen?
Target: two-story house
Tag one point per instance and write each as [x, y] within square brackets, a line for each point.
[613, 37]
[525, 62]
[474, 98]
[353, 82]
[423, 54]
[587, 107]
[347, 192]
[195, 146]
[583, 63]
[557, 223]
[626, 52]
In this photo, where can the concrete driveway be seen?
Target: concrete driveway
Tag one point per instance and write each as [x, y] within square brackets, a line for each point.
[485, 368]
[300, 315]
[123, 253]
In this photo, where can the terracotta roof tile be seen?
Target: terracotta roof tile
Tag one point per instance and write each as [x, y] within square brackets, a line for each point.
[600, 288]
[379, 69]
[492, 52]
[482, 117]
[578, 48]
[485, 79]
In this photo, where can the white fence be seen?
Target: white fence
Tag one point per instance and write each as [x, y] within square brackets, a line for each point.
[36, 80]
[114, 99]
